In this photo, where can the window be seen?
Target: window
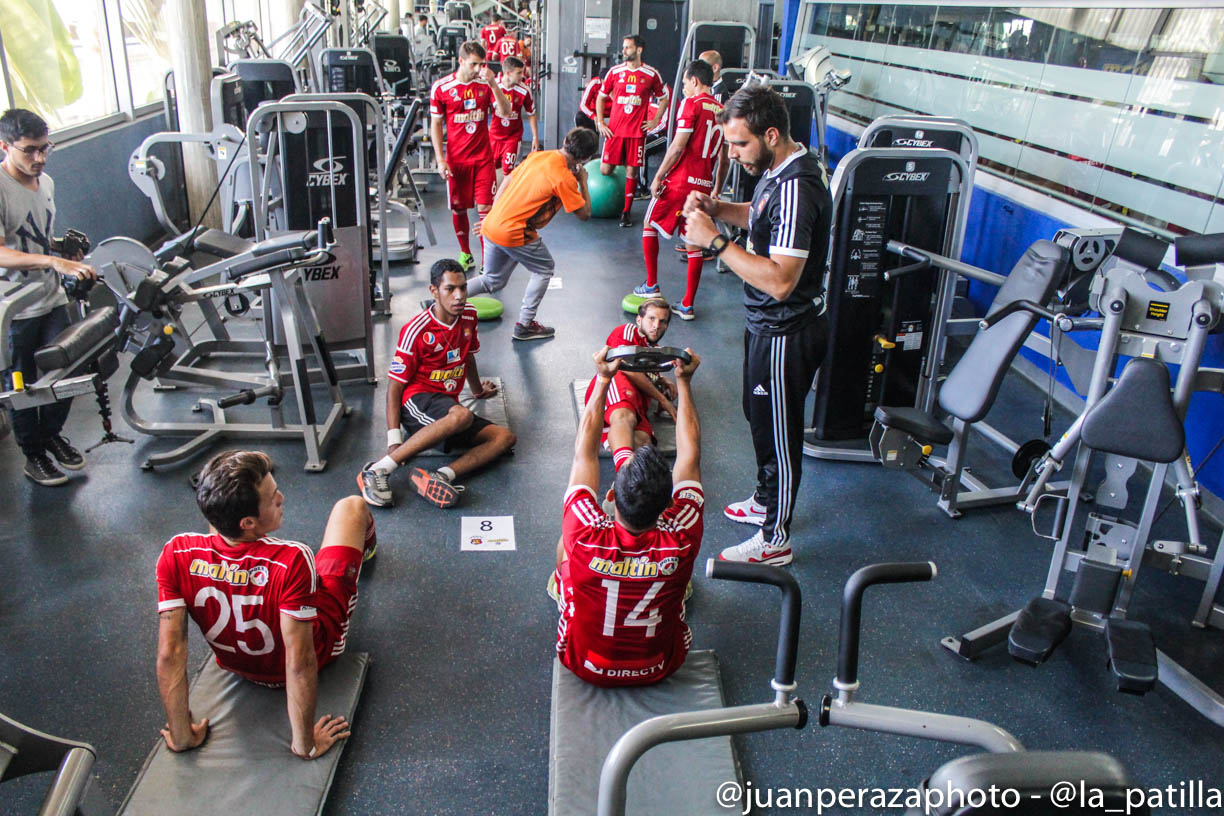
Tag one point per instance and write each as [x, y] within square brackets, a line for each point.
[148, 48]
[1118, 110]
[59, 61]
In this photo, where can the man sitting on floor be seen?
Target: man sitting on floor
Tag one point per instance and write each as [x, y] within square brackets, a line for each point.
[622, 580]
[626, 423]
[272, 611]
[436, 354]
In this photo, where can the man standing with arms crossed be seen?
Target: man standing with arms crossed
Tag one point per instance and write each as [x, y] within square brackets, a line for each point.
[628, 88]
[788, 224]
[696, 160]
[463, 101]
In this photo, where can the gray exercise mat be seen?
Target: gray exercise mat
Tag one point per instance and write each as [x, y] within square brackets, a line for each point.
[492, 409]
[674, 779]
[664, 427]
[245, 765]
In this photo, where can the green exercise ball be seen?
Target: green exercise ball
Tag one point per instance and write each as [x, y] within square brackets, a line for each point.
[487, 308]
[607, 192]
[631, 303]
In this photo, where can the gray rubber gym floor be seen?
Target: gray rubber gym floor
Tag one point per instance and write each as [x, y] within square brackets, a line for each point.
[454, 719]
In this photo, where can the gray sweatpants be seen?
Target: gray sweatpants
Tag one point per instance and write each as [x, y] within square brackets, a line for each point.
[499, 262]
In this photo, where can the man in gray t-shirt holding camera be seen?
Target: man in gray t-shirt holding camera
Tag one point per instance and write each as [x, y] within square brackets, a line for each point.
[27, 216]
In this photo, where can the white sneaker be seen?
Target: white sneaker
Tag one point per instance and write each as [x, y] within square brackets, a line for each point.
[746, 511]
[757, 551]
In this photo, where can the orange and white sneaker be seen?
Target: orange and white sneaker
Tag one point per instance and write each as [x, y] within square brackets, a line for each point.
[746, 511]
[434, 487]
[757, 550]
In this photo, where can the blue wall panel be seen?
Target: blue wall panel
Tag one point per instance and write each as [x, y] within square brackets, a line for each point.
[92, 190]
[996, 235]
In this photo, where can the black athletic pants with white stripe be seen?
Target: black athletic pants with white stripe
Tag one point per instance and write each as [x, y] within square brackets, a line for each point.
[778, 374]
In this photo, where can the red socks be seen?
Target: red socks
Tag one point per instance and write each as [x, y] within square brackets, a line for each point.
[630, 187]
[460, 220]
[620, 456]
[650, 252]
[694, 277]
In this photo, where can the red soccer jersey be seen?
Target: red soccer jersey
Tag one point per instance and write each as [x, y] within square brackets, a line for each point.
[627, 335]
[629, 91]
[504, 128]
[699, 117]
[236, 595]
[623, 619]
[490, 34]
[431, 357]
[509, 47]
[589, 93]
[466, 106]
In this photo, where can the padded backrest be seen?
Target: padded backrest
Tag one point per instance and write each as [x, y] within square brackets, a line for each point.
[73, 342]
[973, 383]
[1136, 418]
[1032, 775]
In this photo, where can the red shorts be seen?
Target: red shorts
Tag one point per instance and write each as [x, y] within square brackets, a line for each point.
[470, 185]
[335, 598]
[623, 394]
[664, 212]
[506, 153]
[623, 151]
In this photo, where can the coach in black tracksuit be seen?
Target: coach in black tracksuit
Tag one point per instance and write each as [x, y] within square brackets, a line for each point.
[788, 225]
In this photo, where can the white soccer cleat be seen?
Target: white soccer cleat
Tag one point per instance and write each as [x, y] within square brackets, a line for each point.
[757, 551]
[746, 511]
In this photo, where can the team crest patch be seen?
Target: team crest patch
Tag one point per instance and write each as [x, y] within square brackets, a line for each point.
[259, 575]
[451, 385]
[429, 338]
[397, 367]
[668, 565]
[452, 355]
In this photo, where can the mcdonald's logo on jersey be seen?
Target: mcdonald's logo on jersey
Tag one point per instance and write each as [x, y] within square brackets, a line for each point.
[469, 93]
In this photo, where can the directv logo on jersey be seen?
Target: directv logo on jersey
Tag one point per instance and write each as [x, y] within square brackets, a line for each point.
[328, 171]
[229, 573]
[625, 568]
[645, 672]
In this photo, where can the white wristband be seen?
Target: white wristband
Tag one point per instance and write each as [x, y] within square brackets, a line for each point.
[395, 436]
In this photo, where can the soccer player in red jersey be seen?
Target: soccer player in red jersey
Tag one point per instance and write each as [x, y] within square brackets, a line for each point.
[490, 34]
[435, 356]
[622, 579]
[697, 160]
[628, 88]
[506, 133]
[508, 46]
[273, 611]
[630, 394]
[463, 102]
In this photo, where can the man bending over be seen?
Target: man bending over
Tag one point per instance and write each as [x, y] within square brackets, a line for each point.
[622, 579]
[627, 413]
[272, 611]
[436, 354]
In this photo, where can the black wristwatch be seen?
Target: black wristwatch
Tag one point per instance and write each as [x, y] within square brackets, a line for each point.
[718, 244]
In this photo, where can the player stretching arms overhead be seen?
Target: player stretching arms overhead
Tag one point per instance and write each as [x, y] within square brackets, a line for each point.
[628, 88]
[462, 101]
[696, 160]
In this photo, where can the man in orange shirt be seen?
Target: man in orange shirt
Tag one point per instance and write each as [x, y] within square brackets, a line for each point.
[545, 181]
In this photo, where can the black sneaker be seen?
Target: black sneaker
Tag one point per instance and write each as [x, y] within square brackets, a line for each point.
[533, 331]
[41, 469]
[68, 456]
[626, 220]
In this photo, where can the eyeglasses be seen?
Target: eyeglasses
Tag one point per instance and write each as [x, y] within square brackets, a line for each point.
[37, 150]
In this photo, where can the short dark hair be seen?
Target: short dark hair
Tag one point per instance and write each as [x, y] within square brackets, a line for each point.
[511, 62]
[701, 71]
[638, 40]
[643, 488]
[228, 490]
[581, 143]
[18, 123]
[761, 108]
[472, 47]
[652, 303]
[443, 266]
